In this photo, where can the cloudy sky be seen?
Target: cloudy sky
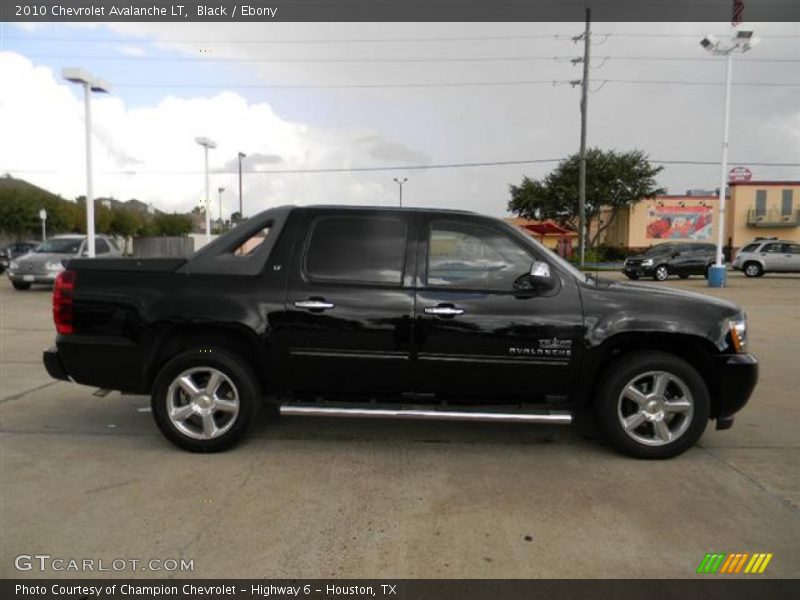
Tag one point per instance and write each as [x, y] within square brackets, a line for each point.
[316, 96]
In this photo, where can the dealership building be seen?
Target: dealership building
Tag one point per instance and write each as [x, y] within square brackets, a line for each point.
[753, 209]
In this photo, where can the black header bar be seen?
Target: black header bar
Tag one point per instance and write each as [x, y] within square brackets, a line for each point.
[248, 11]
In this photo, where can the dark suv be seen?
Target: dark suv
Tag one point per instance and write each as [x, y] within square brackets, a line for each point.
[681, 259]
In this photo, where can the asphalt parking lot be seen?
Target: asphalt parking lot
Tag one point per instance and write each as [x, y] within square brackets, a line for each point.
[91, 478]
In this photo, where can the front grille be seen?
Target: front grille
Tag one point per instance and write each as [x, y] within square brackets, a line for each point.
[32, 269]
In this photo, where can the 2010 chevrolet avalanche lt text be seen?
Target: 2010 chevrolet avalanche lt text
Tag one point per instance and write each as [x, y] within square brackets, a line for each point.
[383, 312]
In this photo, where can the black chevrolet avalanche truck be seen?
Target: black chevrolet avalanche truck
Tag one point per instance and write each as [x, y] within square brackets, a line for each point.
[403, 313]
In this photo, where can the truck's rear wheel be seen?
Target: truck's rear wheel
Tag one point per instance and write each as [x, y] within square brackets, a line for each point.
[205, 400]
[654, 405]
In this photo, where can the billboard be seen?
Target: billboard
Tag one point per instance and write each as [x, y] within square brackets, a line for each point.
[679, 222]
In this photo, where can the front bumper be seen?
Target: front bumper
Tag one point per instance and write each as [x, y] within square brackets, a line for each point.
[21, 277]
[638, 270]
[52, 362]
[736, 377]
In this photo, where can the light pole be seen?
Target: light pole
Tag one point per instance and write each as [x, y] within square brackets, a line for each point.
[90, 84]
[43, 217]
[741, 42]
[220, 190]
[400, 183]
[206, 143]
[241, 210]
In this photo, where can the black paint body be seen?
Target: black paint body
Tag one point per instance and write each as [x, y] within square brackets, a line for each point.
[545, 349]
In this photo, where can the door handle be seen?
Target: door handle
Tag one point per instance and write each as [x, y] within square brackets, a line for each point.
[314, 304]
[444, 310]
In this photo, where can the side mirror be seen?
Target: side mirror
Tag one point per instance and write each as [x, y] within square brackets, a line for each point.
[540, 276]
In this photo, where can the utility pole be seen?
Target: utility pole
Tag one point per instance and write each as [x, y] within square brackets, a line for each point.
[584, 109]
[241, 210]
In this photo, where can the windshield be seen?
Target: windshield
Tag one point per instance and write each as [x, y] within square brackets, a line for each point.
[63, 246]
[660, 249]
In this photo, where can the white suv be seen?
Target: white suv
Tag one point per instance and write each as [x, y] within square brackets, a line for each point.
[768, 256]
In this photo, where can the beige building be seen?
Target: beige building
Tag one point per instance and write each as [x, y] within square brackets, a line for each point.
[763, 209]
[754, 209]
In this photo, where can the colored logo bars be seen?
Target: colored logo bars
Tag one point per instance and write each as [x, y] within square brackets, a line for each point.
[721, 562]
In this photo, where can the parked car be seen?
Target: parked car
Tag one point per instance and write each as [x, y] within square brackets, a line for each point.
[7, 253]
[768, 256]
[46, 261]
[392, 312]
[672, 258]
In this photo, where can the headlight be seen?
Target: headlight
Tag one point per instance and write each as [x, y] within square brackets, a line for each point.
[13, 265]
[54, 266]
[738, 333]
[647, 262]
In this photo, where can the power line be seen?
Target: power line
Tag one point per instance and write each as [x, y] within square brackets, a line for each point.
[436, 166]
[457, 84]
[686, 35]
[261, 41]
[447, 59]
[230, 59]
[480, 38]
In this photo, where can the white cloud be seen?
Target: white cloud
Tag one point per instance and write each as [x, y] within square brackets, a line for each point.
[150, 153]
[131, 50]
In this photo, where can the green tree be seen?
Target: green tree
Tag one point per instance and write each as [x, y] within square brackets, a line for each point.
[171, 224]
[613, 179]
[19, 215]
[125, 222]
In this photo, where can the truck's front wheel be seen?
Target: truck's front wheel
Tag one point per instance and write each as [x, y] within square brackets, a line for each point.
[205, 400]
[654, 405]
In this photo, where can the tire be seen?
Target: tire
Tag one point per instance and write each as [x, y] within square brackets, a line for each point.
[707, 271]
[683, 275]
[753, 269]
[21, 285]
[632, 276]
[206, 422]
[668, 423]
[660, 273]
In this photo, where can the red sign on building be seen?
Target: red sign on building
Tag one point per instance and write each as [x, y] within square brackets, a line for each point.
[739, 174]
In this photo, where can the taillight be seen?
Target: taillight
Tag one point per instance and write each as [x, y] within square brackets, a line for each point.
[63, 301]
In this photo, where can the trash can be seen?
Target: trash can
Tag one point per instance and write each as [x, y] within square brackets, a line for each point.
[717, 276]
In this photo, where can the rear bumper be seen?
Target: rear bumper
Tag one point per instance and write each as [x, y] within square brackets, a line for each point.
[52, 362]
[736, 377]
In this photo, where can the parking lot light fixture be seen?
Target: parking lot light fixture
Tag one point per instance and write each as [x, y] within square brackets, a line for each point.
[90, 84]
[400, 183]
[207, 143]
[742, 41]
[220, 190]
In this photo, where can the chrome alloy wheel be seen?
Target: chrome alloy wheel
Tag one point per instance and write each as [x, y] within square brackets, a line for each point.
[655, 408]
[752, 270]
[202, 403]
[661, 273]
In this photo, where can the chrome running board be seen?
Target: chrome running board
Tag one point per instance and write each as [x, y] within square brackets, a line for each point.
[554, 417]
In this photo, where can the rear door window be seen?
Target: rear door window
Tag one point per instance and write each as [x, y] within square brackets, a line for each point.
[357, 249]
